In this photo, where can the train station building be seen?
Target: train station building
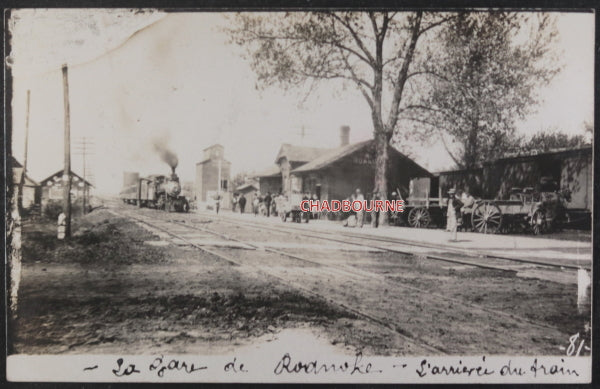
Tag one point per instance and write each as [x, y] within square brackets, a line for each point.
[334, 174]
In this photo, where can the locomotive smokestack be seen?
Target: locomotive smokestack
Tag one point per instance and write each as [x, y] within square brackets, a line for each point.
[173, 170]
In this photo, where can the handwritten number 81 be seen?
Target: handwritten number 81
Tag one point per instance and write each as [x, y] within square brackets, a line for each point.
[573, 345]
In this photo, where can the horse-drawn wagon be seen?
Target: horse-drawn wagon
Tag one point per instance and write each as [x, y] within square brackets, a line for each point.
[525, 210]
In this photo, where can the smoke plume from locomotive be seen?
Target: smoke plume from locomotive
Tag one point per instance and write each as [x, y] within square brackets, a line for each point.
[166, 155]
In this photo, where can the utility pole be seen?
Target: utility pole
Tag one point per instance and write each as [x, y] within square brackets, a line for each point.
[22, 181]
[67, 169]
[303, 133]
[84, 147]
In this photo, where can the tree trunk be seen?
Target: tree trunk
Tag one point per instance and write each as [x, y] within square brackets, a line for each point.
[381, 185]
[471, 147]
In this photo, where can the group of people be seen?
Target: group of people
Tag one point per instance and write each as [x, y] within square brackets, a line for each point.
[458, 202]
[260, 204]
[357, 218]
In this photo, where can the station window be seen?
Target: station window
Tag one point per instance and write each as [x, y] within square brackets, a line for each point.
[224, 184]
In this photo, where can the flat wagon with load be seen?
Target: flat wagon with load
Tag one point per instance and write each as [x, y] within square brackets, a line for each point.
[289, 207]
[525, 210]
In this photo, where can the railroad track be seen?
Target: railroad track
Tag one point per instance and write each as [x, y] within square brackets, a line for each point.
[404, 247]
[345, 271]
[236, 262]
[377, 277]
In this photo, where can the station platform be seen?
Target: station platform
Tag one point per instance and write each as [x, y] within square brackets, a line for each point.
[544, 250]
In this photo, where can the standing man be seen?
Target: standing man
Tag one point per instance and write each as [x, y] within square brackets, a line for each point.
[315, 198]
[360, 215]
[454, 206]
[393, 215]
[375, 215]
[468, 202]
[234, 202]
[218, 202]
[306, 197]
[268, 200]
[242, 202]
[256, 203]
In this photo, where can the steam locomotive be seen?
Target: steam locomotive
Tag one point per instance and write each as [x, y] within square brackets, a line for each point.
[155, 191]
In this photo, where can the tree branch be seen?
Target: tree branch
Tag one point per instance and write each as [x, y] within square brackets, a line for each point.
[357, 39]
[399, 86]
[438, 23]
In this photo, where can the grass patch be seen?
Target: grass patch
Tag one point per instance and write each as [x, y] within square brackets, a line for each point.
[97, 237]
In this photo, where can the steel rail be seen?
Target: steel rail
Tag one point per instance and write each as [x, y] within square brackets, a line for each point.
[357, 312]
[478, 253]
[377, 277]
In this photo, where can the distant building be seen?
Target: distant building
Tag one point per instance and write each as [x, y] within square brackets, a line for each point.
[212, 176]
[248, 189]
[270, 180]
[52, 187]
[31, 189]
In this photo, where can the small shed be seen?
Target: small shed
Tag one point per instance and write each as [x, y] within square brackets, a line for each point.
[52, 188]
[247, 189]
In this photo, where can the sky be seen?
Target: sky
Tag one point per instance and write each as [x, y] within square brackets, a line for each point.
[140, 78]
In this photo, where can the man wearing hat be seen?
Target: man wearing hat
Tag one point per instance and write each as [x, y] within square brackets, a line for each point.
[454, 206]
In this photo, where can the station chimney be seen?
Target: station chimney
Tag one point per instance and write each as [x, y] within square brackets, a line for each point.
[344, 136]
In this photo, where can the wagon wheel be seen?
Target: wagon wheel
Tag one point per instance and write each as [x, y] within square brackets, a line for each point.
[419, 217]
[539, 224]
[486, 218]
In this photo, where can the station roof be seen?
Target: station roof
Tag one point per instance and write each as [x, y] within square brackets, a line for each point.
[247, 186]
[58, 175]
[299, 153]
[335, 155]
[524, 155]
[556, 151]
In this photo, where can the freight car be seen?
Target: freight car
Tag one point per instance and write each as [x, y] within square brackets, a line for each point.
[156, 191]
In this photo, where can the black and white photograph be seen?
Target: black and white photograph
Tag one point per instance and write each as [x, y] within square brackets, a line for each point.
[299, 196]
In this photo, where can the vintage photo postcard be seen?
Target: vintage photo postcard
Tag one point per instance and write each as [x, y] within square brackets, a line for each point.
[331, 196]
